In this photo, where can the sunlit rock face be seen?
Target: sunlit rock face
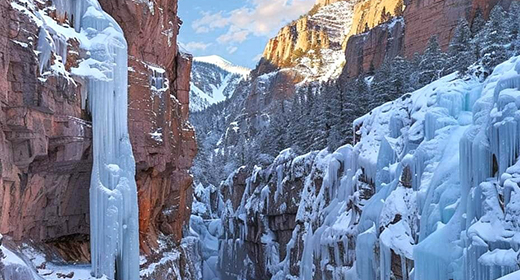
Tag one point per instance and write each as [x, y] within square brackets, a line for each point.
[320, 33]
[371, 40]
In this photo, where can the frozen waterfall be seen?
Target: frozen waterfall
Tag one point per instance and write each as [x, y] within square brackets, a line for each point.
[113, 192]
[430, 191]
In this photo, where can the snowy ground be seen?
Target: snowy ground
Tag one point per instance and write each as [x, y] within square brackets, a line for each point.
[32, 266]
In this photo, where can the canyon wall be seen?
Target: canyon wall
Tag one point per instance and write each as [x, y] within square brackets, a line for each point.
[45, 144]
[327, 26]
[424, 19]
[253, 195]
[428, 191]
[371, 13]
[372, 33]
[45, 135]
[299, 35]
[421, 19]
[163, 161]
[317, 34]
[368, 50]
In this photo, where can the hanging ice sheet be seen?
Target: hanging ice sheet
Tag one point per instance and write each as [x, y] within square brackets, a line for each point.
[113, 192]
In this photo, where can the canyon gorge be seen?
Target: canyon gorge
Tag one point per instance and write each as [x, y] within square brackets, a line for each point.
[374, 139]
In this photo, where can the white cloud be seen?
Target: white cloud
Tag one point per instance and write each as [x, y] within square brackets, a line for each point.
[257, 57]
[195, 46]
[260, 18]
[209, 22]
[234, 35]
[231, 49]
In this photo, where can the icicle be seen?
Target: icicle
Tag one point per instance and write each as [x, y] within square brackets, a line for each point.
[366, 264]
[436, 119]
[45, 49]
[396, 123]
[453, 101]
[113, 190]
[387, 156]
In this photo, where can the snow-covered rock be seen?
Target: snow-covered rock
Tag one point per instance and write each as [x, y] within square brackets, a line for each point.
[429, 191]
[213, 80]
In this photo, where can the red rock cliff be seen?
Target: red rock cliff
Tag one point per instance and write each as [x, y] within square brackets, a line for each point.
[45, 145]
[45, 136]
[163, 166]
[368, 50]
[422, 20]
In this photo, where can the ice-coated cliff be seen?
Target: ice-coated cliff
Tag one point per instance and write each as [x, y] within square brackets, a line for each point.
[428, 191]
[114, 229]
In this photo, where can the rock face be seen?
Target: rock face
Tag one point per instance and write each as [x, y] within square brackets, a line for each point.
[45, 136]
[368, 50]
[409, 35]
[260, 201]
[370, 13]
[424, 19]
[318, 33]
[300, 35]
[45, 144]
[163, 141]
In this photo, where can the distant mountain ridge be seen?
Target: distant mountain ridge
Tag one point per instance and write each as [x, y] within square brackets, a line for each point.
[223, 63]
[214, 79]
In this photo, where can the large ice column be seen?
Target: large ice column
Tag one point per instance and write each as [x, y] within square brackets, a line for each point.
[113, 192]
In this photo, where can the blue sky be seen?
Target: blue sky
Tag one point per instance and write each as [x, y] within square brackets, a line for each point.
[237, 30]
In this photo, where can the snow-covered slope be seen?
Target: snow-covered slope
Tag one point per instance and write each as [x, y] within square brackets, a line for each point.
[223, 64]
[429, 191]
[213, 80]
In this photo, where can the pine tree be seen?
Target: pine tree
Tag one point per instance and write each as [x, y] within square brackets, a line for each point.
[461, 53]
[493, 38]
[308, 118]
[319, 125]
[414, 72]
[432, 63]
[334, 139]
[346, 114]
[295, 127]
[361, 93]
[514, 27]
[277, 130]
[391, 81]
[478, 22]
[381, 88]
[400, 76]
